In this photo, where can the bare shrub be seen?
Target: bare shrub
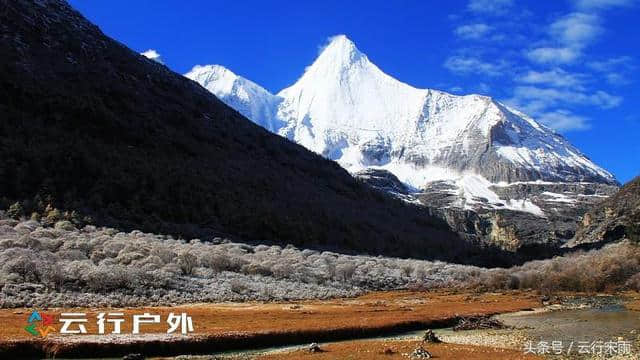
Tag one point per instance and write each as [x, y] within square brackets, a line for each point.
[166, 255]
[135, 268]
[108, 278]
[24, 266]
[54, 277]
[256, 269]
[238, 286]
[282, 271]
[72, 255]
[633, 282]
[406, 269]
[345, 272]
[187, 262]
[112, 248]
[64, 225]
[126, 258]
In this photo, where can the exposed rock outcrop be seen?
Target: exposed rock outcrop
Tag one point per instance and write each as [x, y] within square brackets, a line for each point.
[562, 206]
[613, 219]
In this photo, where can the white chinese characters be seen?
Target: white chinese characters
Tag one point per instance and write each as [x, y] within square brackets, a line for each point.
[598, 347]
[182, 320]
[69, 319]
[113, 323]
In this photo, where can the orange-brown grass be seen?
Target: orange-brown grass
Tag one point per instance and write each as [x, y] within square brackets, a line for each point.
[632, 300]
[375, 310]
[383, 350]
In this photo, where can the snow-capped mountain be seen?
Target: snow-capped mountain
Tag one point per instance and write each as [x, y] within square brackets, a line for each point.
[347, 109]
[250, 99]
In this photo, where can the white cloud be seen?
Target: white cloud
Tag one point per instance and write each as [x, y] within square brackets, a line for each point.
[555, 77]
[548, 97]
[571, 33]
[484, 88]
[153, 55]
[617, 79]
[551, 55]
[602, 4]
[614, 70]
[563, 120]
[473, 31]
[558, 119]
[612, 64]
[470, 65]
[605, 100]
[492, 7]
[576, 29]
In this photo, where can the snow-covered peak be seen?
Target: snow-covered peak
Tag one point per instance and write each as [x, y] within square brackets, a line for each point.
[347, 109]
[247, 97]
[340, 52]
[222, 81]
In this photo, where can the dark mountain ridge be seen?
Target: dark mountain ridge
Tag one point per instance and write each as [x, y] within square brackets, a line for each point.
[94, 129]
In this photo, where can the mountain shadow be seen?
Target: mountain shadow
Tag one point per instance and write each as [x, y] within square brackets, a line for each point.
[97, 131]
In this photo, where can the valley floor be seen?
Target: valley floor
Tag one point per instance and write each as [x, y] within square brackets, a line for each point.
[401, 349]
[378, 325]
[237, 326]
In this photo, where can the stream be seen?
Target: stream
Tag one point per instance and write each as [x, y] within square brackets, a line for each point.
[601, 320]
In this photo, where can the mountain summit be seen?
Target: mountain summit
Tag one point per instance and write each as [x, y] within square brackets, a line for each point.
[347, 109]
[451, 153]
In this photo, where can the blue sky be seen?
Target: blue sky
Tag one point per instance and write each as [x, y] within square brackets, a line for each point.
[571, 64]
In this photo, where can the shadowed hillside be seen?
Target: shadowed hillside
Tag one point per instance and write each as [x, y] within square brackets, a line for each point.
[91, 128]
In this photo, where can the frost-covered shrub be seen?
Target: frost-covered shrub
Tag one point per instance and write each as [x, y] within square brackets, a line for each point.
[103, 266]
[345, 272]
[187, 262]
[108, 278]
[72, 255]
[24, 266]
[163, 253]
[64, 225]
[256, 269]
[238, 286]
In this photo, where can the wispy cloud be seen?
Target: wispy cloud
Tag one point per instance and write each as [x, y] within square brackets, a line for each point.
[473, 31]
[550, 74]
[552, 96]
[614, 70]
[571, 34]
[551, 55]
[555, 77]
[153, 55]
[602, 4]
[483, 88]
[576, 29]
[563, 120]
[491, 7]
[608, 65]
[472, 65]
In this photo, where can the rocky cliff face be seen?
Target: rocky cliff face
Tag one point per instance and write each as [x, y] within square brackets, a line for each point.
[614, 218]
[560, 206]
